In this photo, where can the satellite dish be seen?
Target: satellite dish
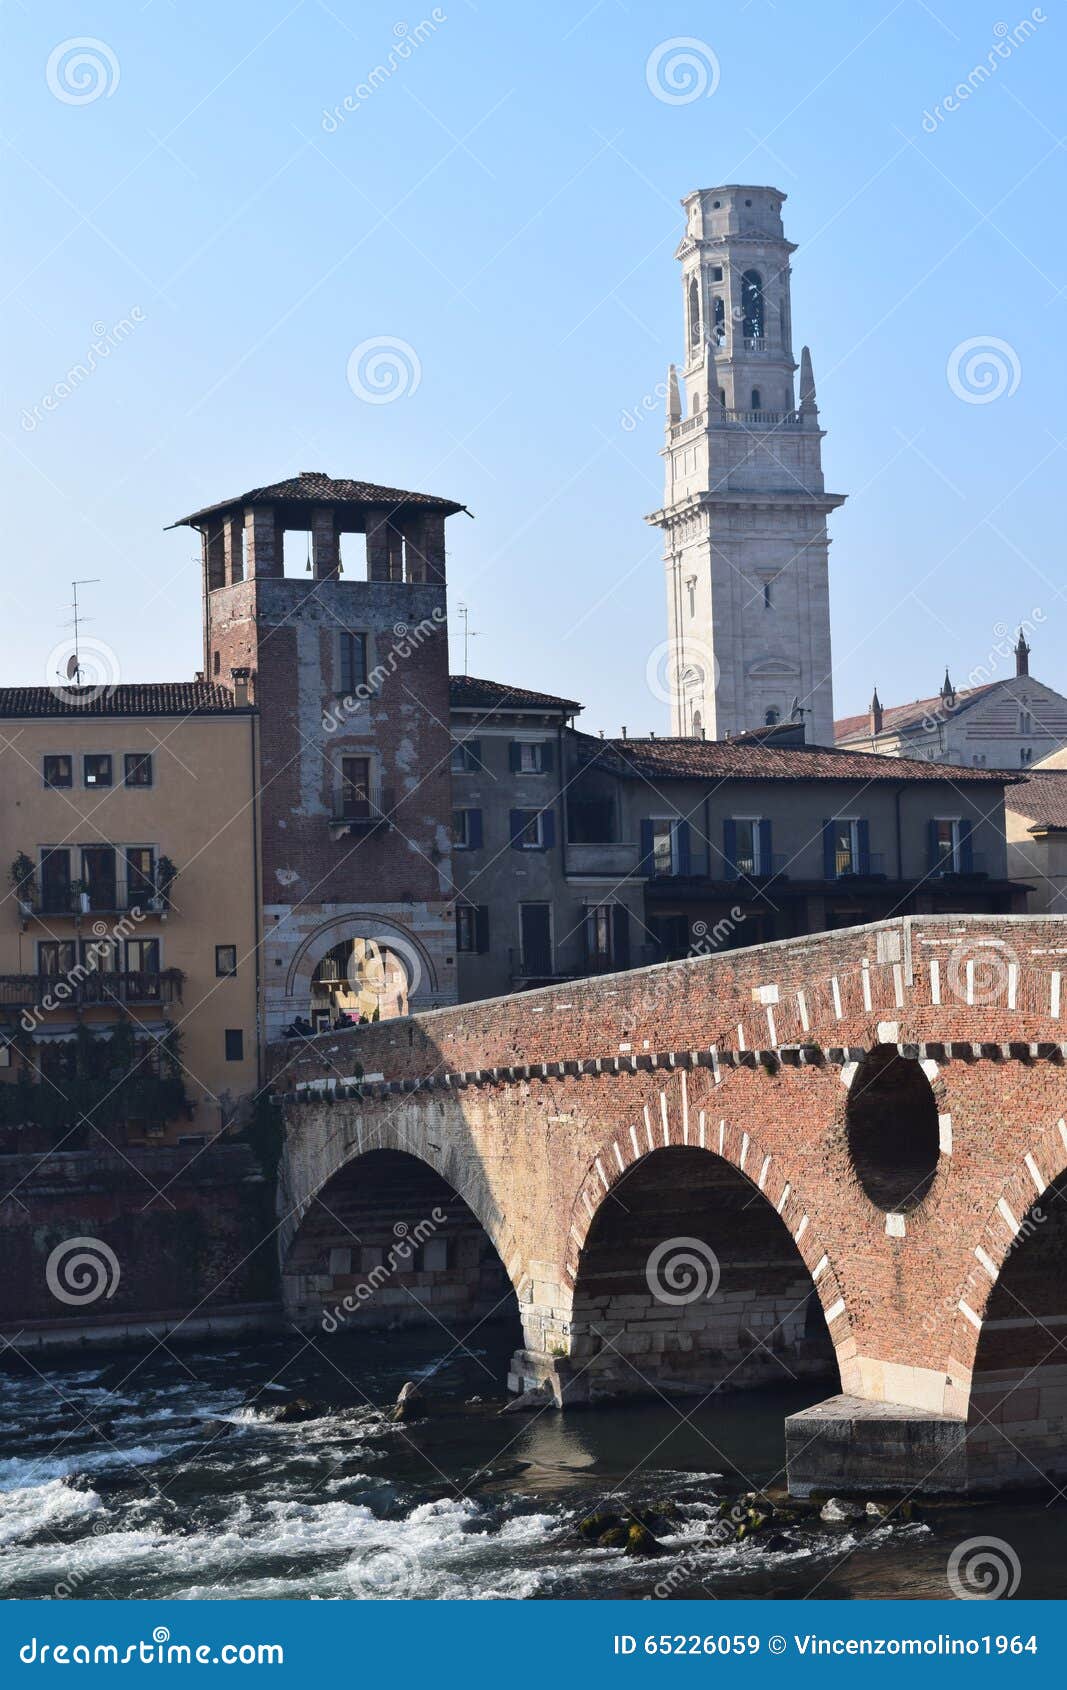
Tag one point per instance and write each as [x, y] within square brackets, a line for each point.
[72, 667]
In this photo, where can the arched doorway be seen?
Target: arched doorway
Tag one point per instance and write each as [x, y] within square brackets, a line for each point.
[1017, 1420]
[388, 1243]
[689, 1281]
[359, 980]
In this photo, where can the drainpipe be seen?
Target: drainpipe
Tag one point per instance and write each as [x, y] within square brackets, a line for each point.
[256, 891]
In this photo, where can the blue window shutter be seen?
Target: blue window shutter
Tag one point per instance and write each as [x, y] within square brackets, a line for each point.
[645, 865]
[966, 847]
[863, 845]
[681, 836]
[932, 853]
[474, 751]
[620, 935]
[516, 827]
[474, 830]
[514, 756]
[766, 862]
[829, 856]
[548, 759]
[548, 828]
[481, 929]
[729, 848]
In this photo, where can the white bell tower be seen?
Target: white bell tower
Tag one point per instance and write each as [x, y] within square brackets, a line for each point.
[744, 509]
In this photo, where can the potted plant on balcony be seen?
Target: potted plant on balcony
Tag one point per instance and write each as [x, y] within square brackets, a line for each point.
[79, 897]
[166, 875]
[24, 882]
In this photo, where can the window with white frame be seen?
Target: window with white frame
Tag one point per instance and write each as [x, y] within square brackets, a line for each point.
[947, 842]
[747, 846]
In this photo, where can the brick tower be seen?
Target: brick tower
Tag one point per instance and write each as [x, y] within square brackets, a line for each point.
[745, 507]
[346, 658]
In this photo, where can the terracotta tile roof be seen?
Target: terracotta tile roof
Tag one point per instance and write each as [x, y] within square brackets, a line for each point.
[311, 487]
[716, 759]
[147, 698]
[1041, 798]
[467, 692]
[898, 718]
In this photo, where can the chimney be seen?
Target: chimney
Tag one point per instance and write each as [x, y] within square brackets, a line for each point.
[239, 677]
[624, 733]
[876, 713]
[1022, 656]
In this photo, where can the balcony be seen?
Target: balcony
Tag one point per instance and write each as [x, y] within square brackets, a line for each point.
[765, 421]
[862, 865]
[109, 899]
[364, 810]
[83, 987]
[617, 858]
[952, 867]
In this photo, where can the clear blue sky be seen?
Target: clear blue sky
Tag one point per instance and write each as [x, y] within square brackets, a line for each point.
[507, 204]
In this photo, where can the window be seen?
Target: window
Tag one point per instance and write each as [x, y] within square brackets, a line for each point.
[945, 832]
[767, 596]
[748, 857]
[96, 769]
[355, 787]
[757, 401]
[55, 957]
[716, 272]
[1026, 723]
[607, 937]
[467, 829]
[532, 830]
[59, 771]
[138, 768]
[846, 847]
[225, 961]
[99, 876]
[142, 956]
[55, 880]
[694, 312]
[235, 1044]
[720, 320]
[472, 928]
[216, 663]
[664, 846]
[772, 716]
[1025, 756]
[352, 667]
[466, 756]
[530, 757]
[140, 875]
[752, 306]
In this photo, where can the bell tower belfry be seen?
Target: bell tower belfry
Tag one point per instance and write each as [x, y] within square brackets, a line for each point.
[745, 507]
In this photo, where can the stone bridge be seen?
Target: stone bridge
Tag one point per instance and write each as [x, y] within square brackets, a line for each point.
[836, 1158]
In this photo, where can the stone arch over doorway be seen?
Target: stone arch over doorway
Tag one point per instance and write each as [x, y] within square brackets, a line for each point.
[373, 928]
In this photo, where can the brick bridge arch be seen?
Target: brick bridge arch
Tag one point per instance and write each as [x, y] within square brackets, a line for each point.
[536, 1100]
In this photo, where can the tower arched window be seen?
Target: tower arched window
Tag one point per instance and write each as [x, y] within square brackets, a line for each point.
[752, 315]
[720, 320]
[772, 717]
[694, 312]
[757, 402]
[722, 397]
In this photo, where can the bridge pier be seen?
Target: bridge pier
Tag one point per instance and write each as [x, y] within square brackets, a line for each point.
[847, 1444]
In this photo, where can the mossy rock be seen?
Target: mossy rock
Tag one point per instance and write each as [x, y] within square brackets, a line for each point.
[593, 1527]
[616, 1537]
[640, 1541]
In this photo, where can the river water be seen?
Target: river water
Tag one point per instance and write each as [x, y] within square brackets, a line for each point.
[166, 1474]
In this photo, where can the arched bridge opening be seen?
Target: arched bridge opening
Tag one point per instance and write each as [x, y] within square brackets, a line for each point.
[387, 1243]
[1017, 1419]
[690, 1282]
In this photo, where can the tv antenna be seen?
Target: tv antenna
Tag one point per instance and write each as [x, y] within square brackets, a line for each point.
[74, 667]
[469, 634]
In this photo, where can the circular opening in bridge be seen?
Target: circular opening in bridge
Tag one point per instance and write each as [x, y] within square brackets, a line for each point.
[690, 1282]
[893, 1136]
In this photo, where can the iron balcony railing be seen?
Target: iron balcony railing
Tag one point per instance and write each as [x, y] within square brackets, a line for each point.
[853, 865]
[364, 807]
[83, 986]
